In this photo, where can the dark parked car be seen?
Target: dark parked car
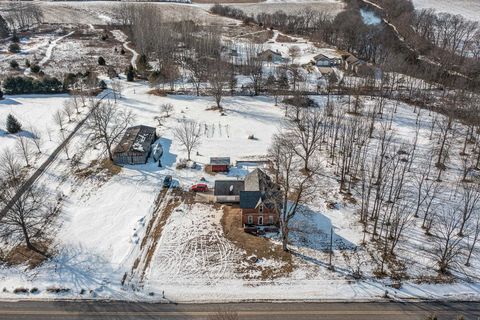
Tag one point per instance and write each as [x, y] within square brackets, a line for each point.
[201, 187]
[167, 182]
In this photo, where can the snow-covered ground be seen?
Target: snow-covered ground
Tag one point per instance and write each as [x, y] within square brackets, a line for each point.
[35, 113]
[103, 220]
[470, 9]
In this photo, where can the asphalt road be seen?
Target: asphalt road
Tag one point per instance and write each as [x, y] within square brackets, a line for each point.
[40, 310]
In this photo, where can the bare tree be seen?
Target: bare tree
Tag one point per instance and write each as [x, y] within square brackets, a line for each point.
[28, 217]
[36, 139]
[23, 147]
[306, 134]
[470, 203]
[294, 52]
[189, 134]
[9, 166]
[296, 189]
[218, 79]
[447, 242]
[166, 109]
[473, 237]
[59, 119]
[117, 88]
[68, 109]
[107, 123]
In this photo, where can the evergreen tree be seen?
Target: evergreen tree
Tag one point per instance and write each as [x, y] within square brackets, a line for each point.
[102, 85]
[3, 28]
[1, 94]
[14, 64]
[101, 61]
[130, 73]
[14, 48]
[15, 38]
[13, 126]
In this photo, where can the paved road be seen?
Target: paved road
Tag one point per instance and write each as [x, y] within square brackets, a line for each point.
[264, 311]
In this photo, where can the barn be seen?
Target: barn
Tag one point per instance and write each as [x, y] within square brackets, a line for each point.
[219, 164]
[135, 145]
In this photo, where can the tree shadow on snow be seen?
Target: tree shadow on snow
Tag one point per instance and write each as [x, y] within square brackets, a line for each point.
[311, 229]
[78, 269]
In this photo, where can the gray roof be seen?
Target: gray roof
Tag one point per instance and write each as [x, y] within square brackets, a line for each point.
[228, 187]
[136, 139]
[220, 160]
[258, 180]
[249, 199]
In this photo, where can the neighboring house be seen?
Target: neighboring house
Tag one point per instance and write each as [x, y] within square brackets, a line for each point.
[228, 191]
[219, 164]
[259, 203]
[352, 63]
[135, 145]
[322, 60]
[272, 56]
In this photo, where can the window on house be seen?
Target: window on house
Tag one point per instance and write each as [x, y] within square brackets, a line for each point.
[260, 209]
[250, 220]
[270, 219]
[260, 221]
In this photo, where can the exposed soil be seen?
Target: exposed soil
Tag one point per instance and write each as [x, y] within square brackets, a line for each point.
[254, 246]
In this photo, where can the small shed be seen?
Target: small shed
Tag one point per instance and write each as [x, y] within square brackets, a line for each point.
[219, 164]
[228, 191]
[135, 145]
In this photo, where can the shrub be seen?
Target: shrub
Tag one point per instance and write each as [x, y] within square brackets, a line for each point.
[101, 61]
[122, 51]
[1, 94]
[35, 68]
[57, 290]
[13, 126]
[14, 64]
[14, 48]
[34, 290]
[27, 63]
[20, 290]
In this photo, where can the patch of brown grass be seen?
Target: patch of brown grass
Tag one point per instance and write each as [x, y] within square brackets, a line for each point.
[96, 167]
[259, 247]
[157, 232]
[260, 37]
[159, 92]
[286, 39]
[21, 255]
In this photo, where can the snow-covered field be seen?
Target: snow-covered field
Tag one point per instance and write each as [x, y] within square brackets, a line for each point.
[470, 9]
[104, 219]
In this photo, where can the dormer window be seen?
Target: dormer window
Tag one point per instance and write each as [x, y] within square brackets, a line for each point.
[260, 208]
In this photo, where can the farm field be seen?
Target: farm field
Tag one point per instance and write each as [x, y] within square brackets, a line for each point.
[470, 9]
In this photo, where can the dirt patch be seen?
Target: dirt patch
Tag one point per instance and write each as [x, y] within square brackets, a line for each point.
[255, 248]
